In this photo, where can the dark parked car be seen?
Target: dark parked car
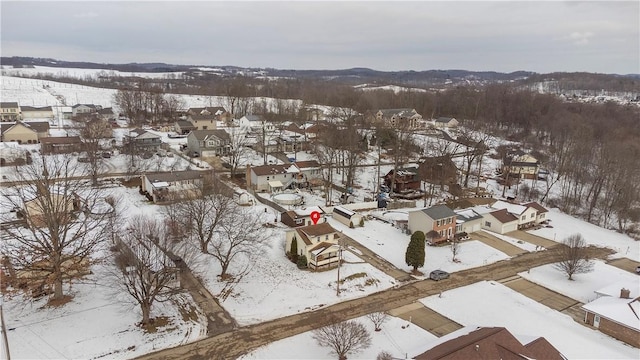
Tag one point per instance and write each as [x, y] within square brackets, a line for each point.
[638, 270]
[106, 155]
[438, 275]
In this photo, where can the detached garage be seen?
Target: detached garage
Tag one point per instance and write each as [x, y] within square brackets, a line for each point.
[346, 216]
[500, 221]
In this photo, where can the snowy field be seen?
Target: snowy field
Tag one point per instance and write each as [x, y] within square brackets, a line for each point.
[393, 338]
[582, 286]
[494, 304]
[391, 244]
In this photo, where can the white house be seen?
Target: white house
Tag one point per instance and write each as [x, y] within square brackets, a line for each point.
[526, 215]
[319, 243]
[256, 124]
[500, 221]
[31, 112]
[297, 175]
[169, 186]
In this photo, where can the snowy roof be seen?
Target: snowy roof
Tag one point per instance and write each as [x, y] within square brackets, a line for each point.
[321, 247]
[275, 184]
[293, 169]
[160, 184]
[343, 211]
[619, 310]
[308, 210]
[465, 215]
[512, 208]
[614, 289]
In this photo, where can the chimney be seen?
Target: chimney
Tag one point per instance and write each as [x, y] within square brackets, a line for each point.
[624, 293]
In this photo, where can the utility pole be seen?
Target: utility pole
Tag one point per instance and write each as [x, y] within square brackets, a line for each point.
[339, 264]
[4, 331]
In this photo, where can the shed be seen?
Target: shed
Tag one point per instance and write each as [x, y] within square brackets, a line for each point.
[346, 216]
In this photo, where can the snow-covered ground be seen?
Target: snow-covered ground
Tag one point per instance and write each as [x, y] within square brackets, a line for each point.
[582, 286]
[565, 225]
[488, 303]
[99, 322]
[391, 244]
[395, 337]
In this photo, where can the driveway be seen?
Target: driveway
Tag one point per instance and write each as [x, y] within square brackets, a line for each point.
[497, 243]
[625, 264]
[420, 315]
[533, 239]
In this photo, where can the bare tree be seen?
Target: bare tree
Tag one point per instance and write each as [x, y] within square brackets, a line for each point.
[146, 270]
[455, 249]
[384, 355]
[574, 256]
[238, 149]
[240, 233]
[343, 338]
[94, 135]
[203, 214]
[59, 234]
[378, 318]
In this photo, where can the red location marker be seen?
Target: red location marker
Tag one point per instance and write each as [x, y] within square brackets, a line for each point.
[315, 216]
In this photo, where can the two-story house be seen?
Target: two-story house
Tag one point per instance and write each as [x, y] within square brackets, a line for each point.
[203, 121]
[10, 111]
[522, 166]
[319, 243]
[437, 222]
[399, 118]
[270, 177]
[526, 215]
[405, 179]
[142, 141]
[209, 142]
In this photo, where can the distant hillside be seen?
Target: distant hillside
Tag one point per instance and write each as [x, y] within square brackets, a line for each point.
[557, 82]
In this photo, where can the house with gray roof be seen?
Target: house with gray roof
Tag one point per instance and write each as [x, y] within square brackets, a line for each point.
[209, 142]
[438, 223]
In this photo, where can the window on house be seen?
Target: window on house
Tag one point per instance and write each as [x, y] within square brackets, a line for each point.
[438, 223]
[524, 217]
[449, 220]
[299, 221]
[533, 215]
[326, 237]
[487, 224]
[267, 178]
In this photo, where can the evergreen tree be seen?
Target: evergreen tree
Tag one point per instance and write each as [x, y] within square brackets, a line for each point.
[293, 252]
[415, 251]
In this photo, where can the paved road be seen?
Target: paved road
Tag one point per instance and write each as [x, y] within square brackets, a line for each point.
[242, 340]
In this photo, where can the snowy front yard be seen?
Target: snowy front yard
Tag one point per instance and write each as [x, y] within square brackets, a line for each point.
[391, 244]
[99, 322]
[488, 303]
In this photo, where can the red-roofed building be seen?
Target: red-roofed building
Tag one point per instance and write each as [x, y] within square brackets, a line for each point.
[489, 343]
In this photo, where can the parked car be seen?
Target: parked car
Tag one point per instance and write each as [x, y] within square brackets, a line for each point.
[83, 159]
[106, 155]
[638, 270]
[438, 275]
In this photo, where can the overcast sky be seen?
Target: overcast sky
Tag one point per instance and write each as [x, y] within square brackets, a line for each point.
[505, 36]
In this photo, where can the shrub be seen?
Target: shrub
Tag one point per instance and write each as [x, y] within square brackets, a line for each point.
[302, 262]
